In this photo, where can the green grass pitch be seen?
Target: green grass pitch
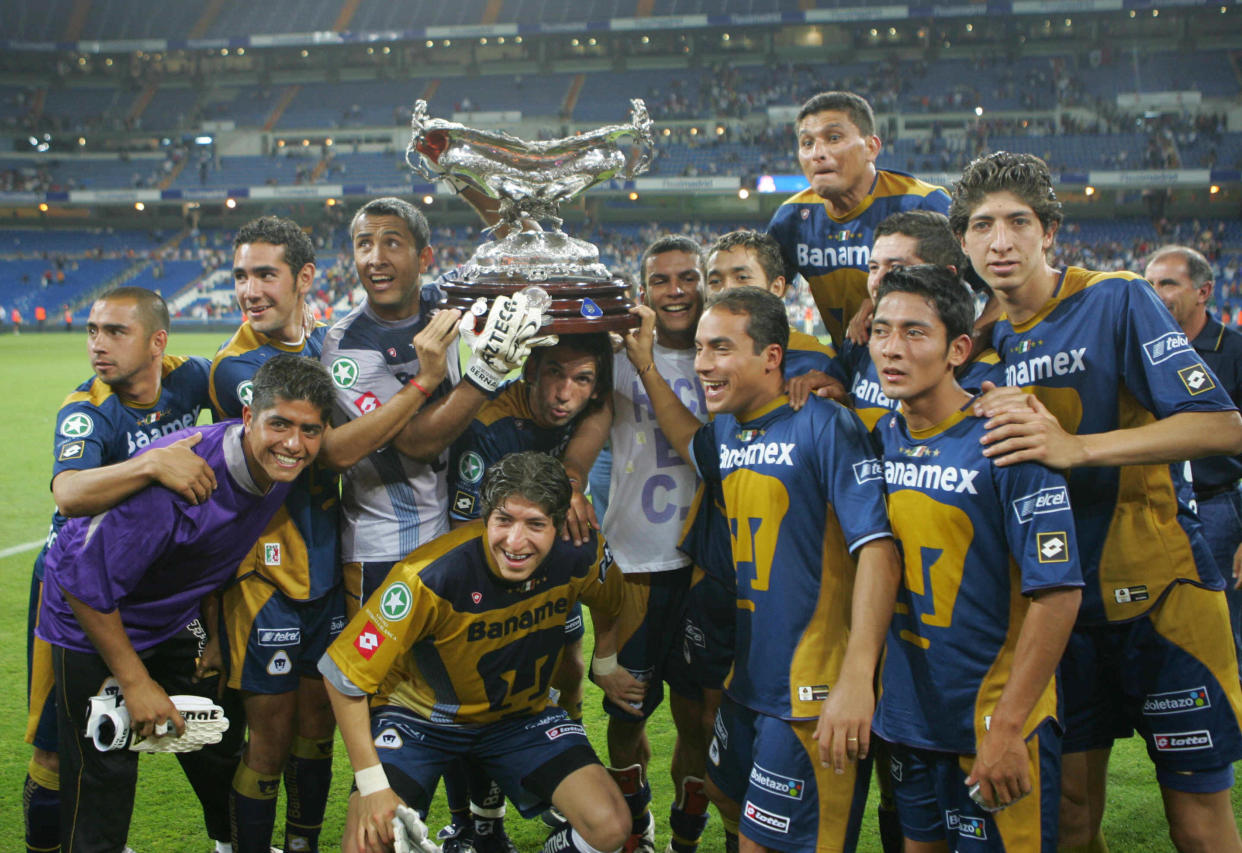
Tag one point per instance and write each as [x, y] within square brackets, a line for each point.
[36, 372]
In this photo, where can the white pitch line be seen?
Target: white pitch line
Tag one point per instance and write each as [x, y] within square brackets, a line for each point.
[18, 549]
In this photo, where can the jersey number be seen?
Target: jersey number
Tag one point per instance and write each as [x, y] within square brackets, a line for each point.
[935, 555]
[523, 666]
[754, 536]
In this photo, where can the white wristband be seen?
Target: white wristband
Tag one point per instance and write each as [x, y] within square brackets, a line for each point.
[371, 780]
[605, 665]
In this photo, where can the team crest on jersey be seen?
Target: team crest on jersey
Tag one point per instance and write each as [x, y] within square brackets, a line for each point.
[71, 450]
[344, 372]
[1052, 547]
[271, 553]
[918, 451]
[1196, 379]
[279, 663]
[368, 640]
[389, 738]
[368, 402]
[245, 392]
[471, 467]
[805, 213]
[392, 352]
[396, 601]
[77, 425]
[476, 597]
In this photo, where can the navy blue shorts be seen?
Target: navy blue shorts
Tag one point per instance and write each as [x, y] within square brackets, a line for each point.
[1172, 675]
[934, 804]
[528, 756]
[708, 626]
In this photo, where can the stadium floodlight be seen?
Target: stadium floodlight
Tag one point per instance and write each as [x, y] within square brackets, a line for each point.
[139, 206]
[978, 111]
[203, 140]
[743, 193]
[230, 203]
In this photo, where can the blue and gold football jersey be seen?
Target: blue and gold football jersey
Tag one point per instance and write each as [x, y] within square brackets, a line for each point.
[1105, 354]
[504, 425]
[976, 540]
[297, 551]
[447, 638]
[802, 492]
[94, 427]
[832, 252]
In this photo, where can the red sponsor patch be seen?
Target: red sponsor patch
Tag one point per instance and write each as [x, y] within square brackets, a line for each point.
[368, 640]
[367, 402]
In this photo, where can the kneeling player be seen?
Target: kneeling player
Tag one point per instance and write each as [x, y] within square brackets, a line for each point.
[464, 636]
[991, 590]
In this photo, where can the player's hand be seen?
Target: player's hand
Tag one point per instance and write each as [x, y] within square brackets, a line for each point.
[640, 344]
[211, 661]
[179, 469]
[308, 319]
[1031, 434]
[859, 328]
[432, 346]
[816, 382]
[844, 727]
[994, 399]
[581, 518]
[506, 340]
[625, 691]
[375, 814]
[1237, 568]
[1001, 769]
[149, 707]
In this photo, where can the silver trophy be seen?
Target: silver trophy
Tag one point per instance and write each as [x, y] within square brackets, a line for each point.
[530, 180]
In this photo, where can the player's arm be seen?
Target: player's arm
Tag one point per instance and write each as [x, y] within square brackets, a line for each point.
[347, 444]
[583, 449]
[148, 704]
[844, 728]
[1022, 429]
[377, 802]
[90, 491]
[611, 601]
[434, 428]
[1001, 760]
[676, 421]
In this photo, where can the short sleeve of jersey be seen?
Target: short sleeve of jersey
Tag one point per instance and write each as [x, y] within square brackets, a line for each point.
[854, 479]
[703, 453]
[603, 586]
[1039, 525]
[231, 380]
[1160, 366]
[116, 549]
[80, 443]
[473, 453]
[396, 616]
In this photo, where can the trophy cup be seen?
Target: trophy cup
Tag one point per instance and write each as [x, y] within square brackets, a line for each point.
[530, 180]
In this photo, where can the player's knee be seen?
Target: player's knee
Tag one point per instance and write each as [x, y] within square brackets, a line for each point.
[1074, 827]
[49, 761]
[606, 827]
[1189, 837]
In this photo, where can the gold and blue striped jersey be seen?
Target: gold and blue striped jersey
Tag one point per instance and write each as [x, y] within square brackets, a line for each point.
[447, 638]
[832, 252]
[976, 541]
[1105, 354]
[298, 550]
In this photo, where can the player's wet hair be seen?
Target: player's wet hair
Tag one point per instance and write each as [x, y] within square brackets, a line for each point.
[854, 106]
[1198, 269]
[1024, 175]
[935, 242]
[403, 210]
[595, 344]
[534, 476]
[152, 309]
[941, 289]
[669, 243]
[278, 231]
[766, 320]
[767, 250]
[293, 377]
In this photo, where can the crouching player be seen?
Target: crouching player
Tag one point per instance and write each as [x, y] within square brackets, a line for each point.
[460, 643]
[120, 587]
[991, 590]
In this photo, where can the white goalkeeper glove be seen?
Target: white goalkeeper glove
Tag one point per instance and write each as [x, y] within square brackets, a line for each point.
[511, 330]
[108, 724]
[409, 833]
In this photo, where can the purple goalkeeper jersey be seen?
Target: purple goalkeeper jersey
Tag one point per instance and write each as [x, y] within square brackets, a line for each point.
[155, 555]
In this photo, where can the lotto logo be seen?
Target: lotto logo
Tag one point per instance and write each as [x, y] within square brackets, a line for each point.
[768, 820]
[1166, 346]
[368, 640]
[1052, 547]
[280, 636]
[784, 786]
[271, 553]
[565, 729]
[713, 753]
[389, 738]
[1177, 701]
[368, 402]
[72, 450]
[1183, 741]
[896, 768]
[1052, 499]
[463, 503]
[1196, 379]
